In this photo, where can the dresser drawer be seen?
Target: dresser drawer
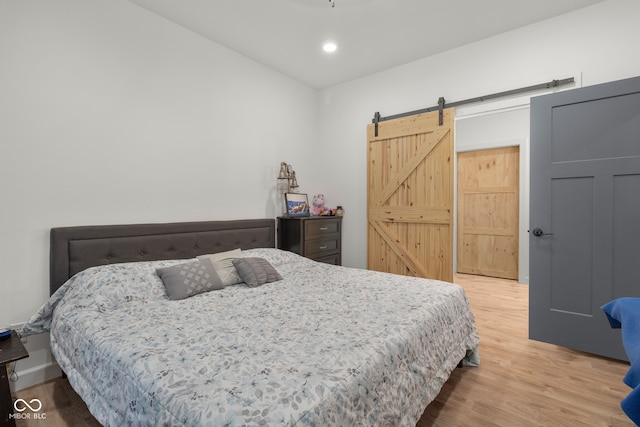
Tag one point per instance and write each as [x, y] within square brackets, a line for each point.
[317, 228]
[317, 238]
[319, 247]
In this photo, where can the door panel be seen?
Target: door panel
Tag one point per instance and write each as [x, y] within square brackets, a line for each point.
[410, 196]
[616, 118]
[585, 182]
[626, 233]
[488, 202]
[572, 222]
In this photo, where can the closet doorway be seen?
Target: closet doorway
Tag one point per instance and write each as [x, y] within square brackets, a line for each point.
[488, 212]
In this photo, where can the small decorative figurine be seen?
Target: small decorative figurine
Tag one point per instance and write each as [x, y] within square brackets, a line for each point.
[318, 207]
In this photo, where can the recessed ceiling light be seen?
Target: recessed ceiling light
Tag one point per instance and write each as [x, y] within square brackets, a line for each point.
[329, 47]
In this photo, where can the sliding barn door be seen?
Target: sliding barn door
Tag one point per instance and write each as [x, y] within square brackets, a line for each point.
[410, 196]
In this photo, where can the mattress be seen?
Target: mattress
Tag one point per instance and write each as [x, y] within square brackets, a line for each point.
[327, 345]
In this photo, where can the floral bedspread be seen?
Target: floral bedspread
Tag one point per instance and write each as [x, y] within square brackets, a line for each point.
[325, 346]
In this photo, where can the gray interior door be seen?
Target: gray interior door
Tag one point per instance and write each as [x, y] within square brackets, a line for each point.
[584, 238]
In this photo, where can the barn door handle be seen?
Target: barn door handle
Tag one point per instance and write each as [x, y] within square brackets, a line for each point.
[538, 232]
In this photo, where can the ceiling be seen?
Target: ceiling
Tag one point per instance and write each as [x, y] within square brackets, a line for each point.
[372, 35]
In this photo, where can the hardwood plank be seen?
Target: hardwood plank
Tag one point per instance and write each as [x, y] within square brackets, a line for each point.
[519, 382]
[407, 126]
[415, 215]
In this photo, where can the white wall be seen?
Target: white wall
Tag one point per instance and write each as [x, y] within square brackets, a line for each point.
[595, 45]
[110, 114]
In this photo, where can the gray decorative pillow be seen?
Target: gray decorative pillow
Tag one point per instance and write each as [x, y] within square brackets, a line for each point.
[225, 269]
[256, 271]
[189, 279]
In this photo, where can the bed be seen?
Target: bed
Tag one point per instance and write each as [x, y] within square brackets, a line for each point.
[317, 345]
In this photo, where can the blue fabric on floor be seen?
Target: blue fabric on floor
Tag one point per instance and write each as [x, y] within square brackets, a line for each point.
[625, 313]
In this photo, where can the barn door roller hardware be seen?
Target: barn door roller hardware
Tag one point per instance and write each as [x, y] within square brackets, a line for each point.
[441, 103]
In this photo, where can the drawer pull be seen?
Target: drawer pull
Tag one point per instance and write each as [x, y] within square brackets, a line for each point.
[323, 247]
[324, 228]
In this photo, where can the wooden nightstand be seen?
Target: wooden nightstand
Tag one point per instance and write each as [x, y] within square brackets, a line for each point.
[315, 237]
[11, 350]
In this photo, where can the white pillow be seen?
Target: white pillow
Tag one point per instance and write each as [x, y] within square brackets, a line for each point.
[223, 263]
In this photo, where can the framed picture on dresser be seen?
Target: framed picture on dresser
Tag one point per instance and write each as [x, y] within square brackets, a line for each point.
[297, 204]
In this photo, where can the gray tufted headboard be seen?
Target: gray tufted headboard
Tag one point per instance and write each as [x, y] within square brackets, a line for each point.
[74, 249]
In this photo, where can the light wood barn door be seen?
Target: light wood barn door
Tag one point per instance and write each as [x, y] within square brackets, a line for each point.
[488, 203]
[410, 196]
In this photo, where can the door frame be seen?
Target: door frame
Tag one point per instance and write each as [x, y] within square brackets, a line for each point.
[523, 226]
[498, 106]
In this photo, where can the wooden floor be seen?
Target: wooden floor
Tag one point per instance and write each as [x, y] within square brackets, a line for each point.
[519, 382]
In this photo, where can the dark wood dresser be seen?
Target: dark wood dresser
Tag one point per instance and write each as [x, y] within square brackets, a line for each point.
[315, 237]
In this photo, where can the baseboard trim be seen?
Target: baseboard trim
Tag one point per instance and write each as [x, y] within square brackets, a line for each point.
[35, 375]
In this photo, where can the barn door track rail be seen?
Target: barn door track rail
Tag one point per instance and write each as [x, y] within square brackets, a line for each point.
[442, 105]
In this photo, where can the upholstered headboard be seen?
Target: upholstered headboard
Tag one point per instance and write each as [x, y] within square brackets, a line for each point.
[74, 249]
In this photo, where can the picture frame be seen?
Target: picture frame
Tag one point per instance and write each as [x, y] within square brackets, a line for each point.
[297, 204]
